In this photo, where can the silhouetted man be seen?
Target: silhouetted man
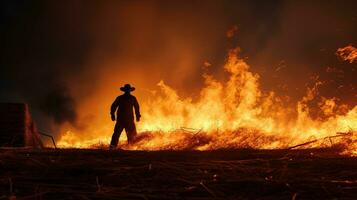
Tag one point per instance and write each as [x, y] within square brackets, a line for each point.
[124, 105]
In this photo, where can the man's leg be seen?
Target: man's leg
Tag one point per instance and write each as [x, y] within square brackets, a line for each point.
[130, 130]
[115, 138]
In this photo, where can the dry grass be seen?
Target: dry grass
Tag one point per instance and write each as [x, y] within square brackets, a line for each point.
[221, 174]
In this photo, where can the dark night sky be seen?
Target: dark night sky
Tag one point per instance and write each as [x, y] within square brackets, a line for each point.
[47, 46]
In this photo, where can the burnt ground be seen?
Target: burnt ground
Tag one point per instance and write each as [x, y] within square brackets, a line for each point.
[221, 174]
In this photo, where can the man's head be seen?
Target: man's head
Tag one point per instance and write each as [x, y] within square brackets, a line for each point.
[127, 88]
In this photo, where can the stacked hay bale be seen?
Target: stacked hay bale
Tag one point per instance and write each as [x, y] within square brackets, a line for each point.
[17, 129]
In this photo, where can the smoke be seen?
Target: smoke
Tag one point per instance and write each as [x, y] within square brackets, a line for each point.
[38, 53]
[69, 58]
[60, 105]
[303, 46]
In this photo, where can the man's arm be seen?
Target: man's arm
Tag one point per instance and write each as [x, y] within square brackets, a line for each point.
[137, 109]
[113, 108]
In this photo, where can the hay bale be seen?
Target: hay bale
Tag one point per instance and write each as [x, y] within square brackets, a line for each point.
[17, 129]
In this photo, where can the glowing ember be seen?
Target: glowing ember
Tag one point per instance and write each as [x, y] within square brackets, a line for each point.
[231, 114]
[348, 53]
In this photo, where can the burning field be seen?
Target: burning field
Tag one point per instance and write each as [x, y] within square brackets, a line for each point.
[206, 77]
[238, 99]
[233, 114]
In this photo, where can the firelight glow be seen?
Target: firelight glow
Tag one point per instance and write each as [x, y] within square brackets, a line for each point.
[234, 113]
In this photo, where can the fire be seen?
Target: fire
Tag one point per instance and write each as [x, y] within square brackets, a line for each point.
[348, 53]
[229, 114]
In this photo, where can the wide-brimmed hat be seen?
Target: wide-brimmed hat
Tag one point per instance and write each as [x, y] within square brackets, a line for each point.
[127, 88]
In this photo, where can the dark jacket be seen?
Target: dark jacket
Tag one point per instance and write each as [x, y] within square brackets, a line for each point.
[124, 105]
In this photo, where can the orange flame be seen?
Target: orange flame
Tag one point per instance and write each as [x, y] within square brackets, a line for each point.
[348, 53]
[230, 114]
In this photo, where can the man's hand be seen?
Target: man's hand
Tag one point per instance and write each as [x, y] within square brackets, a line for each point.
[113, 117]
[137, 119]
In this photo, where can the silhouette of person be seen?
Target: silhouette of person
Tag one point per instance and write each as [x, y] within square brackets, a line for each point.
[124, 105]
